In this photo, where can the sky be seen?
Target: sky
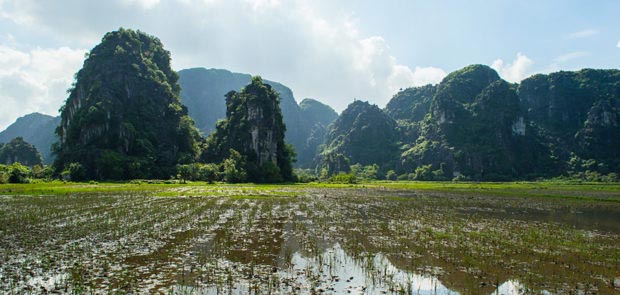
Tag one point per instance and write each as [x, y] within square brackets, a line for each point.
[333, 51]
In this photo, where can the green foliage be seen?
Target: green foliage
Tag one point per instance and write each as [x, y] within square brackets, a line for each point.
[208, 172]
[232, 167]
[343, 178]
[368, 172]
[411, 104]
[333, 163]
[123, 118]
[18, 173]
[576, 114]
[42, 172]
[253, 136]
[362, 134]
[480, 127]
[75, 172]
[4, 174]
[185, 172]
[19, 151]
[305, 175]
[391, 175]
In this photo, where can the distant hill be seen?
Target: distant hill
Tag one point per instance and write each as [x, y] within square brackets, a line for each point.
[203, 91]
[37, 129]
[474, 125]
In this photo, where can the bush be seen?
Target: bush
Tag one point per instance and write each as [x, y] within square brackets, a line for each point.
[343, 178]
[424, 172]
[208, 172]
[19, 173]
[75, 172]
[4, 174]
[390, 175]
[404, 176]
[271, 173]
[184, 172]
[305, 175]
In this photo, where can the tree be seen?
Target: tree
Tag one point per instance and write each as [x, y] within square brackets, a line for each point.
[208, 172]
[18, 173]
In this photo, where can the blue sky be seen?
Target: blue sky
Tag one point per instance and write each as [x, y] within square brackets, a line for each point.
[452, 34]
[334, 51]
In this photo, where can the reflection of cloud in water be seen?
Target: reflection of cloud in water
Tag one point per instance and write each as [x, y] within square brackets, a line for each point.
[511, 287]
[340, 273]
[335, 272]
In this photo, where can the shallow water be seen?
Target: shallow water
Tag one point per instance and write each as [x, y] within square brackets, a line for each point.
[333, 241]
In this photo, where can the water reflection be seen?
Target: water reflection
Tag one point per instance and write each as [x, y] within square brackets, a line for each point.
[335, 272]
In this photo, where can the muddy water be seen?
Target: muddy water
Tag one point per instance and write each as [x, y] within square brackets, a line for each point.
[315, 241]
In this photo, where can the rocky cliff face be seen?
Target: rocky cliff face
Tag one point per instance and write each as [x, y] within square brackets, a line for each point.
[123, 119]
[254, 128]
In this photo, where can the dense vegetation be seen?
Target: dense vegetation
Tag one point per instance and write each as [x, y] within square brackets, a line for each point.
[250, 142]
[362, 134]
[123, 118]
[474, 125]
[19, 151]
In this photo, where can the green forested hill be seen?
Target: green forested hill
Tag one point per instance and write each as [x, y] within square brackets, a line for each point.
[473, 125]
[124, 118]
[250, 141]
[362, 134]
[19, 151]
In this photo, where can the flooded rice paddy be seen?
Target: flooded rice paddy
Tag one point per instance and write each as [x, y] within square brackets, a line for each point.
[308, 240]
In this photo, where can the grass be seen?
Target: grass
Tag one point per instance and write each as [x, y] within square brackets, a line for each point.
[155, 237]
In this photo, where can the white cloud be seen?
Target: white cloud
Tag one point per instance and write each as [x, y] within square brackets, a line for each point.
[312, 48]
[518, 70]
[146, 4]
[583, 34]
[428, 75]
[35, 80]
[262, 4]
[618, 45]
[570, 56]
